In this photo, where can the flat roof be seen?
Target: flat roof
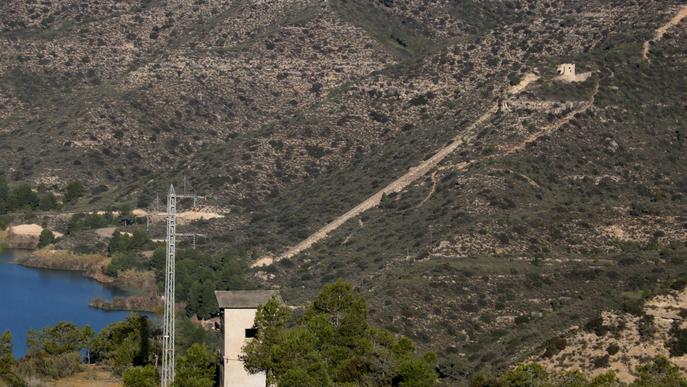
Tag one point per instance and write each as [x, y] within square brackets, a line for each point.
[243, 299]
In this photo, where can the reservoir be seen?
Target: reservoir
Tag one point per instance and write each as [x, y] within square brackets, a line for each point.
[36, 298]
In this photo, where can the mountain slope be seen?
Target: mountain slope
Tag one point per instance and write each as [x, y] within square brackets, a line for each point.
[565, 199]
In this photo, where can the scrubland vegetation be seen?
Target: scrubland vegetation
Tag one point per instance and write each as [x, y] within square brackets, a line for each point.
[300, 111]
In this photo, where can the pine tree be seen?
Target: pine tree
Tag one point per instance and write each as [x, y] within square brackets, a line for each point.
[197, 368]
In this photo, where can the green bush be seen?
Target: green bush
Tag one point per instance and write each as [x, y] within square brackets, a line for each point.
[4, 195]
[124, 261]
[553, 346]
[659, 372]
[677, 342]
[596, 325]
[81, 221]
[46, 238]
[146, 376]
[198, 367]
[121, 243]
[8, 375]
[613, 349]
[51, 366]
[73, 191]
[22, 197]
[124, 344]
[47, 201]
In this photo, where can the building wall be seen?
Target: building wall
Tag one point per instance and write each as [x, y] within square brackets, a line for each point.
[235, 323]
[567, 70]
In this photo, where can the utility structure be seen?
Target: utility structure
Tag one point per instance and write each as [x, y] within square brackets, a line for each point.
[168, 361]
[170, 278]
[195, 199]
[192, 235]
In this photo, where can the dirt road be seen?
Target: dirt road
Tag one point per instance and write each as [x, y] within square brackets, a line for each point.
[422, 169]
[395, 186]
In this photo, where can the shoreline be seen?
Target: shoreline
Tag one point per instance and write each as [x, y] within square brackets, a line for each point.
[90, 266]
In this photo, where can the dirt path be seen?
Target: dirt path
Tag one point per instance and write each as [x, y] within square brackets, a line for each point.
[658, 35]
[432, 190]
[417, 172]
[548, 129]
[526, 80]
[395, 186]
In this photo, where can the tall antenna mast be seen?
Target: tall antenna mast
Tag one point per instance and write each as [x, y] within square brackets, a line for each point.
[168, 324]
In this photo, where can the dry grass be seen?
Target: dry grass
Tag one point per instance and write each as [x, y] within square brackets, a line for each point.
[64, 260]
[91, 376]
[3, 235]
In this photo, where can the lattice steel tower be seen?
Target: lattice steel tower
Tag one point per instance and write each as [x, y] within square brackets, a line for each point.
[168, 324]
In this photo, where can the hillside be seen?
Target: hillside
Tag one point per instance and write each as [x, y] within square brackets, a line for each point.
[550, 202]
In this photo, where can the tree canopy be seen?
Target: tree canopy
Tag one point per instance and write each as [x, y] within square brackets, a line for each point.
[333, 343]
[7, 372]
[73, 191]
[61, 338]
[124, 344]
[197, 368]
[21, 197]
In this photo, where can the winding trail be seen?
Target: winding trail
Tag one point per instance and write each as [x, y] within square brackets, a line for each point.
[435, 180]
[422, 169]
[658, 35]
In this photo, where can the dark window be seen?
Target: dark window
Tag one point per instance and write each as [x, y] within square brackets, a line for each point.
[252, 332]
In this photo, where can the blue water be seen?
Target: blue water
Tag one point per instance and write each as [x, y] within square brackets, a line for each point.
[36, 298]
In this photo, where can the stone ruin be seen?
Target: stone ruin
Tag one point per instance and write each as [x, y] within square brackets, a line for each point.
[566, 72]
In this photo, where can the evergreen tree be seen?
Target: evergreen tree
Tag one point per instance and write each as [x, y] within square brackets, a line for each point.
[125, 344]
[62, 338]
[6, 358]
[199, 302]
[22, 197]
[7, 374]
[333, 344]
[47, 201]
[270, 321]
[73, 191]
[146, 376]
[46, 238]
[4, 195]
[197, 368]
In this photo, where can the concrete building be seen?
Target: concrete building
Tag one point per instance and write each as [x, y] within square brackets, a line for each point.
[237, 316]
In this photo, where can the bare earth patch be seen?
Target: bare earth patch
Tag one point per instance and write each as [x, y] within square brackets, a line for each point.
[524, 82]
[629, 342]
[184, 216]
[90, 376]
[107, 232]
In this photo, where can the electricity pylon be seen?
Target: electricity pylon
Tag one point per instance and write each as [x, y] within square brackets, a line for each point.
[168, 363]
[170, 278]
